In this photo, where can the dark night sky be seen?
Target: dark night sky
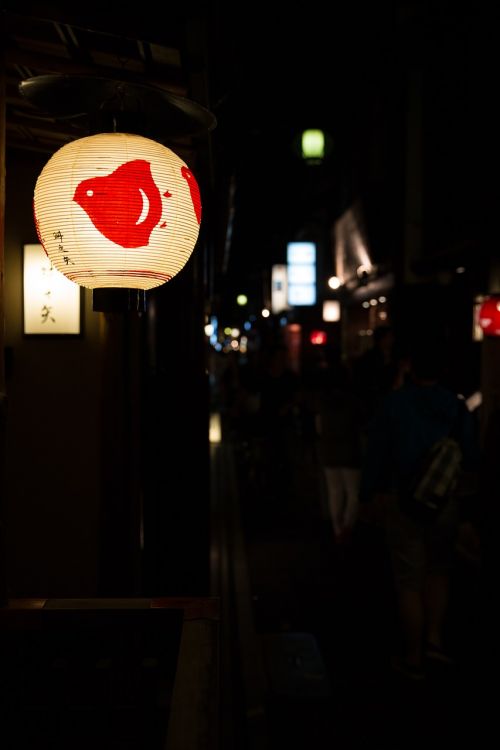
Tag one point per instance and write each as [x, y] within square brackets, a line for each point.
[348, 75]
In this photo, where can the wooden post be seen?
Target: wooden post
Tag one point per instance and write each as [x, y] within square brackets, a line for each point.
[3, 395]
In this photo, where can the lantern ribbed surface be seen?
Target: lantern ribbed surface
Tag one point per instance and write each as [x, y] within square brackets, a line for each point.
[117, 210]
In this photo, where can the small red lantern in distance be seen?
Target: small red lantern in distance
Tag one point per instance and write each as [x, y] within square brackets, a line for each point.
[489, 316]
[318, 338]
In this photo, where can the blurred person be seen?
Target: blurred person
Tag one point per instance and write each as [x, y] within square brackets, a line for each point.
[407, 423]
[280, 403]
[250, 380]
[279, 390]
[338, 422]
[229, 392]
[375, 370]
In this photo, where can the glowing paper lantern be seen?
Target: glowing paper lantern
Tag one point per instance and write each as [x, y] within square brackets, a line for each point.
[313, 144]
[489, 316]
[331, 310]
[117, 210]
[318, 338]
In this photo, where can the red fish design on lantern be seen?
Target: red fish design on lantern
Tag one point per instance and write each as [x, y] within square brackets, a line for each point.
[102, 198]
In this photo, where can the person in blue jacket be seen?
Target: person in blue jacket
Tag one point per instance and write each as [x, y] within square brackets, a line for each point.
[407, 423]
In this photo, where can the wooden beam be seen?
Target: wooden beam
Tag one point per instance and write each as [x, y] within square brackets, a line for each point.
[167, 77]
[3, 395]
[128, 23]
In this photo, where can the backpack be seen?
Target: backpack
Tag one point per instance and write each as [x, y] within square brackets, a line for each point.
[433, 484]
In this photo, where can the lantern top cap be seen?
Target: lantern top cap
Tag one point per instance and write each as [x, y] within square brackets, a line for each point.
[66, 97]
